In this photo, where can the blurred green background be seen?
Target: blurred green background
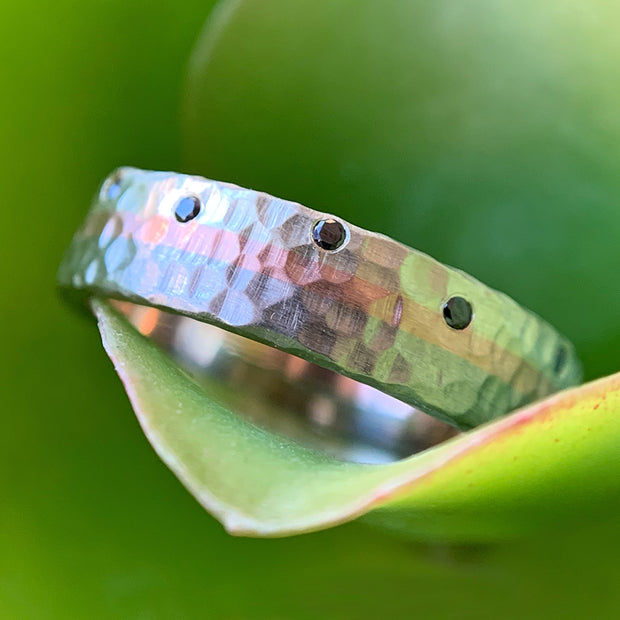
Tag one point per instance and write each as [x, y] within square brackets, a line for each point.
[483, 132]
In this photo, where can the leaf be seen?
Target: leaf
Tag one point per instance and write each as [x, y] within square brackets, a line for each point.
[552, 461]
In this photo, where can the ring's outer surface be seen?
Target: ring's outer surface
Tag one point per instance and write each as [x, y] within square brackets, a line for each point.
[370, 308]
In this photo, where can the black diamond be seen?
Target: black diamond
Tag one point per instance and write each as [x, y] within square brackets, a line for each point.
[187, 208]
[458, 313]
[329, 234]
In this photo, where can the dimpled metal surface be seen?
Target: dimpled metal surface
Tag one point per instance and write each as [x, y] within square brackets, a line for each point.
[372, 310]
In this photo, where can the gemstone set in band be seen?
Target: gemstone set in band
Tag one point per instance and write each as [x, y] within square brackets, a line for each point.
[309, 284]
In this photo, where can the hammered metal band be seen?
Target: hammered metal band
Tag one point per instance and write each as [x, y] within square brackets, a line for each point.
[307, 283]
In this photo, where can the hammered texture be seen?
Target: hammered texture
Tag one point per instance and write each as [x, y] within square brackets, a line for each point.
[371, 310]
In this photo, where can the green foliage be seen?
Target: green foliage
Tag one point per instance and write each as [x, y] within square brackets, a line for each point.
[484, 133]
[92, 524]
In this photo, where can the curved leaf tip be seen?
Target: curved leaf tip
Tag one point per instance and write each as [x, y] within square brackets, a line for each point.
[547, 462]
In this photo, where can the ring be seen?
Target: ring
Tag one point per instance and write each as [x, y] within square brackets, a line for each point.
[354, 303]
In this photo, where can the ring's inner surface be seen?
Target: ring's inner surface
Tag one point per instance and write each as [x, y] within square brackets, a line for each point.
[290, 396]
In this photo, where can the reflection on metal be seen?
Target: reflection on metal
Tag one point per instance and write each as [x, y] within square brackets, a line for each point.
[357, 303]
[315, 406]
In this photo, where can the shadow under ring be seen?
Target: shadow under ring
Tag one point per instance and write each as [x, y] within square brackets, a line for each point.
[290, 396]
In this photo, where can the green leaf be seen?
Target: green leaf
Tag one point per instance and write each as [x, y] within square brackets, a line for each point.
[551, 461]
